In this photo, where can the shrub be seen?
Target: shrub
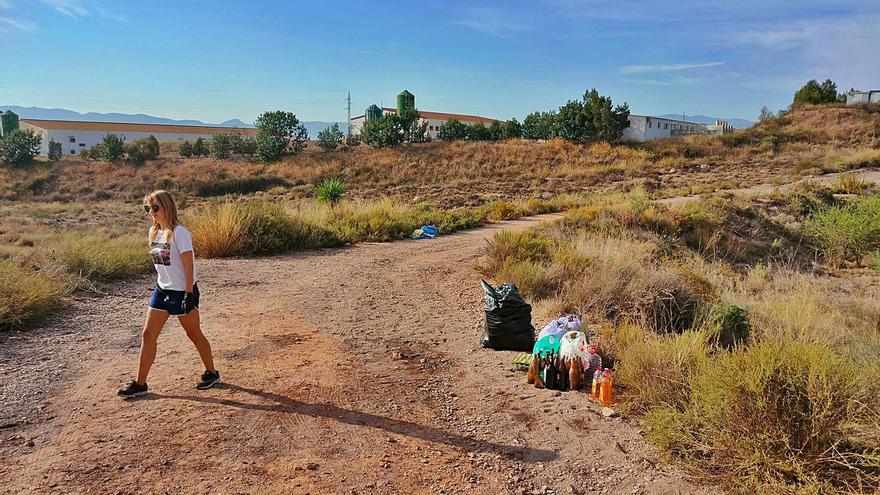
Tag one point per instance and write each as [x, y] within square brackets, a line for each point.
[330, 191]
[353, 140]
[847, 233]
[453, 130]
[186, 149]
[199, 148]
[329, 138]
[218, 231]
[54, 150]
[95, 153]
[243, 145]
[20, 146]
[384, 132]
[221, 146]
[114, 147]
[25, 296]
[510, 247]
[728, 326]
[776, 416]
[142, 150]
[769, 142]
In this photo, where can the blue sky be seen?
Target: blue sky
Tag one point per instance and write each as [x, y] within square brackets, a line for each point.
[215, 60]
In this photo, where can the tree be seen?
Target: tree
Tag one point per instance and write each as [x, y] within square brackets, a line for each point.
[571, 122]
[511, 129]
[20, 146]
[142, 150]
[604, 123]
[479, 132]
[353, 140]
[221, 146]
[453, 130]
[279, 133]
[538, 125]
[199, 148]
[496, 131]
[243, 145]
[54, 150]
[114, 147]
[329, 138]
[766, 114]
[414, 129]
[814, 93]
[186, 149]
[384, 132]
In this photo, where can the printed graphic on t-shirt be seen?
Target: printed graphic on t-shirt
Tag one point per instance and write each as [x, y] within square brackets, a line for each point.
[161, 253]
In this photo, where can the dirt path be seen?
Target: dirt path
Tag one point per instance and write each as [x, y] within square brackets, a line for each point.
[870, 175]
[352, 370]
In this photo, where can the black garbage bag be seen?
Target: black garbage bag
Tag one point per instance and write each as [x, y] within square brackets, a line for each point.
[508, 319]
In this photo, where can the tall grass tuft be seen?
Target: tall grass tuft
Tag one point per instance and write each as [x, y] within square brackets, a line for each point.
[849, 232]
[27, 296]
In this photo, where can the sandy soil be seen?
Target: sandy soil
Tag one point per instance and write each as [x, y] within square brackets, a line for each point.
[354, 370]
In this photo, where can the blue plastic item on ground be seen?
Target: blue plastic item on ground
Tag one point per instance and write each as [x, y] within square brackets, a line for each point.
[425, 232]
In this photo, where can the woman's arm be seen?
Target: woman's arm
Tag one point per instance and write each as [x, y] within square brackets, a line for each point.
[187, 259]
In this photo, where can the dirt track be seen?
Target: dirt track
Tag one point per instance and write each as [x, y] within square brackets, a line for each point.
[353, 370]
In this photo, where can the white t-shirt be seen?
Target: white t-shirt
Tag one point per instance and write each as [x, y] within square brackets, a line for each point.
[166, 258]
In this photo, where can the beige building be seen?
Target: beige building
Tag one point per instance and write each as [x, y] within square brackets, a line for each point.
[76, 136]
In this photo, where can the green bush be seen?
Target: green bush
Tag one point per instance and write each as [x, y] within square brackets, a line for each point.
[271, 230]
[186, 149]
[847, 233]
[510, 246]
[142, 150]
[221, 146]
[329, 138]
[769, 142]
[199, 148]
[243, 145]
[96, 259]
[728, 326]
[114, 147]
[95, 153]
[20, 146]
[330, 191]
[54, 150]
[808, 197]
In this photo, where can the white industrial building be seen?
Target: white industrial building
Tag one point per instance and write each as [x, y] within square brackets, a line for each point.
[433, 119]
[644, 128]
[854, 97]
[76, 136]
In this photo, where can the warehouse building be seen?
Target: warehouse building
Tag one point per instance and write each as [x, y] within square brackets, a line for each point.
[645, 128]
[76, 136]
[407, 101]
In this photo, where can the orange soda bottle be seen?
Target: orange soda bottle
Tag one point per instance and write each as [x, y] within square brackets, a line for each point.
[605, 388]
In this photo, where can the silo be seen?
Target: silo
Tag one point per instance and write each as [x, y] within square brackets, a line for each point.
[406, 101]
[8, 123]
[373, 113]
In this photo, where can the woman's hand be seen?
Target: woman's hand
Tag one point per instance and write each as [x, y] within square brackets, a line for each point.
[189, 303]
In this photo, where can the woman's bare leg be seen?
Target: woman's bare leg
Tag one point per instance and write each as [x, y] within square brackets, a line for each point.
[152, 327]
[193, 327]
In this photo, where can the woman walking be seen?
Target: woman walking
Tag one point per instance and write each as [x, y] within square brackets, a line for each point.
[176, 293]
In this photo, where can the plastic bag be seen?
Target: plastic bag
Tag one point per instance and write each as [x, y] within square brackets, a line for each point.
[546, 345]
[575, 344]
[559, 327]
[508, 319]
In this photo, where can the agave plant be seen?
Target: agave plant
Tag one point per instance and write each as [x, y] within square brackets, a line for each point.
[331, 191]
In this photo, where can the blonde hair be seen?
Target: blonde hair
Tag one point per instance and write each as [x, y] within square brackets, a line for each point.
[166, 204]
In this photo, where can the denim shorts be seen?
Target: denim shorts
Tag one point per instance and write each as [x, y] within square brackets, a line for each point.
[172, 300]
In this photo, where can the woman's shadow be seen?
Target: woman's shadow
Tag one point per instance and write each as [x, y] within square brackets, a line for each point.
[286, 405]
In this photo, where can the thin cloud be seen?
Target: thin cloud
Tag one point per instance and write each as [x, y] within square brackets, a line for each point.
[113, 16]
[5, 4]
[70, 8]
[646, 69]
[21, 24]
[494, 22]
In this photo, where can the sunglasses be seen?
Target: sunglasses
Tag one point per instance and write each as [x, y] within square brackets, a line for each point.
[154, 207]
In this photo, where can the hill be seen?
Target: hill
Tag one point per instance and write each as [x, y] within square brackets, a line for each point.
[703, 119]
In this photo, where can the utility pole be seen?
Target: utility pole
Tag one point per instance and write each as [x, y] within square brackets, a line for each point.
[348, 106]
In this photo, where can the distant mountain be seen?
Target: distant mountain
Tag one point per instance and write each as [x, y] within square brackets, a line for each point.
[702, 119]
[314, 127]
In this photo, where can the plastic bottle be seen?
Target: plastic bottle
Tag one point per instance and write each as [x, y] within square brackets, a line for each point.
[606, 388]
[595, 358]
[597, 380]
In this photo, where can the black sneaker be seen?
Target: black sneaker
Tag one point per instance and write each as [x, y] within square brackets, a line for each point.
[209, 379]
[134, 389]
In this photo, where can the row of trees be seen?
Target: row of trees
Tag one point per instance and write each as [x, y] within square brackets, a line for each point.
[114, 148]
[396, 128]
